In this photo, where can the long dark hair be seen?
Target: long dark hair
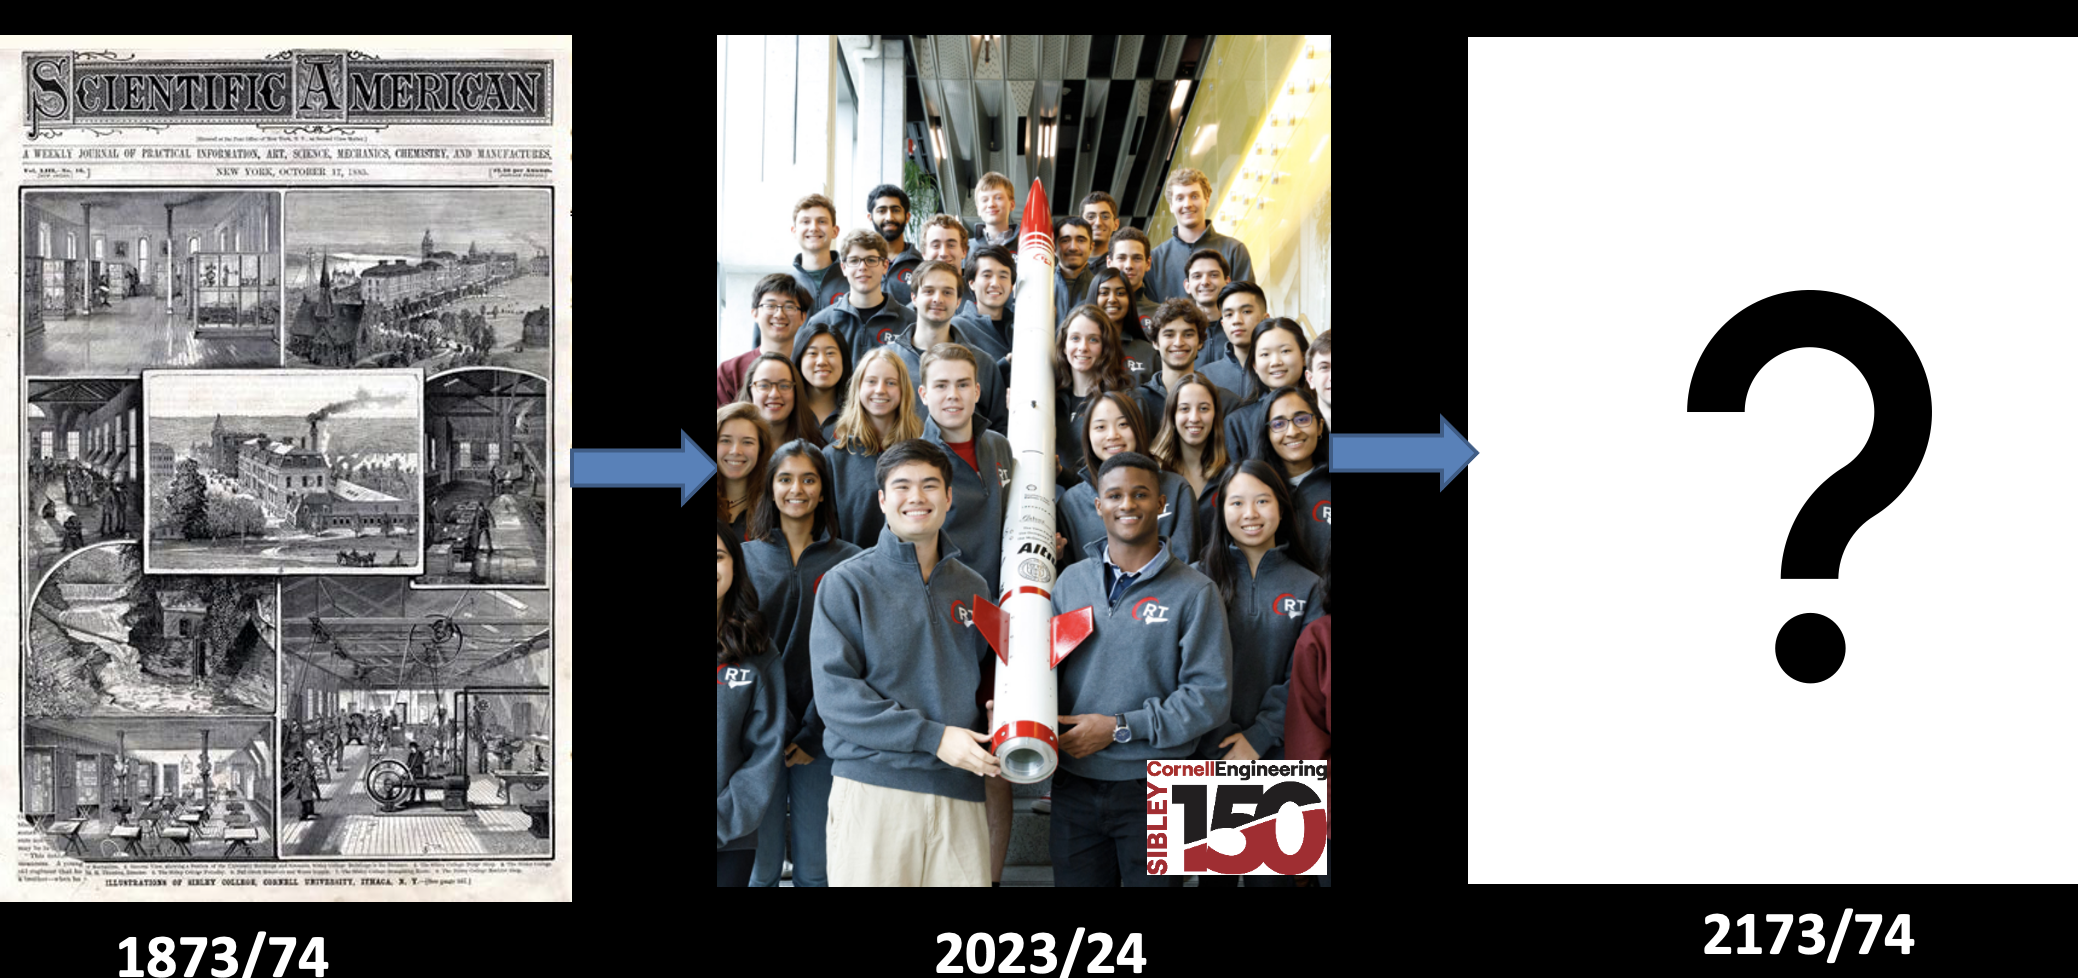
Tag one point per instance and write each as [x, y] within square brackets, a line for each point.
[801, 342]
[1255, 388]
[1168, 445]
[766, 519]
[801, 421]
[742, 632]
[1267, 452]
[1129, 408]
[1214, 561]
[1111, 371]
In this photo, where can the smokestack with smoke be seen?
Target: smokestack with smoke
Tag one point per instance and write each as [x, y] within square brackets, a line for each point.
[361, 399]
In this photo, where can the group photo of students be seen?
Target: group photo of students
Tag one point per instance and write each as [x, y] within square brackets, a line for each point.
[863, 485]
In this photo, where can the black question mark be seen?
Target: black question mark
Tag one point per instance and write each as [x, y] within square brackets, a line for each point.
[1810, 647]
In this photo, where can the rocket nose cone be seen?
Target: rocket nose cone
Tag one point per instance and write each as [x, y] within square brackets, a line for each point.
[1038, 214]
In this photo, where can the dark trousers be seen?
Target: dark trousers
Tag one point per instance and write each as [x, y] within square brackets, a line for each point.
[732, 867]
[1099, 833]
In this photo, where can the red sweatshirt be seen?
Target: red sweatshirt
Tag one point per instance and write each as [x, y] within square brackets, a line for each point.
[1306, 719]
[728, 378]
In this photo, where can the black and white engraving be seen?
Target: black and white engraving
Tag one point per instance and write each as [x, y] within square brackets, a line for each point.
[116, 281]
[290, 471]
[420, 278]
[487, 478]
[151, 789]
[83, 472]
[424, 716]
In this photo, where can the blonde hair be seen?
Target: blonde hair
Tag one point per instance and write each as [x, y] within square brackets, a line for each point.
[1184, 178]
[855, 429]
[994, 179]
[815, 200]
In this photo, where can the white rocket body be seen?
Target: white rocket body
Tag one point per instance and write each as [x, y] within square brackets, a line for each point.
[1021, 626]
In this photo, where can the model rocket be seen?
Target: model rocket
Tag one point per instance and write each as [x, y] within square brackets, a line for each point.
[1021, 625]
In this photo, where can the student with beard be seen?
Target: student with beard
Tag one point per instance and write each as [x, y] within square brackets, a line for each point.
[1277, 353]
[936, 298]
[742, 445]
[1148, 682]
[866, 317]
[794, 540]
[1189, 195]
[1112, 291]
[989, 317]
[775, 387]
[879, 412]
[1073, 267]
[1114, 424]
[1306, 727]
[1241, 307]
[1293, 441]
[749, 714]
[778, 305]
[895, 665]
[825, 364]
[1180, 328]
[1193, 444]
[887, 207]
[1267, 581]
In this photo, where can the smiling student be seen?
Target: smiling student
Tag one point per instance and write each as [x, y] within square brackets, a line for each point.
[1113, 423]
[894, 666]
[1151, 680]
[775, 386]
[887, 207]
[742, 445]
[1100, 212]
[1205, 276]
[992, 272]
[1180, 327]
[937, 294]
[880, 411]
[1112, 291]
[794, 541]
[1193, 444]
[1129, 255]
[945, 239]
[996, 199]
[749, 714]
[1266, 579]
[1074, 269]
[825, 364]
[1292, 440]
[815, 231]
[1087, 361]
[865, 317]
[1241, 307]
[1189, 196]
[1277, 349]
[778, 307]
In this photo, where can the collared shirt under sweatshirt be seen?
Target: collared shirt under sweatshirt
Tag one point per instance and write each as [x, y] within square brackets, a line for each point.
[896, 660]
[1271, 606]
[861, 332]
[1168, 267]
[749, 734]
[1081, 524]
[786, 597]
[1160, 655]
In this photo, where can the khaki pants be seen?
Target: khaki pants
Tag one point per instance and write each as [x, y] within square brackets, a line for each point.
[889, 837]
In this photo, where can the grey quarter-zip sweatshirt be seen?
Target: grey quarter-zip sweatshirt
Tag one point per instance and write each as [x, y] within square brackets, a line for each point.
[979, 502]
[859, 331]
[786, 597]
[749, 733]
[992, 411]
[1160, 655]
[1080, 523]
[855, 494]
[896, 660]
[1271, 607]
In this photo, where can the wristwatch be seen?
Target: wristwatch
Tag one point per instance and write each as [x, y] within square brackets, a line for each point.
[1124, 733]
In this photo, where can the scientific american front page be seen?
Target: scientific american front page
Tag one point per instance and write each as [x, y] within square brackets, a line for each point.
[287, 354]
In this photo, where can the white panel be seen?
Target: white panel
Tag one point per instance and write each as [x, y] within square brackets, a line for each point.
[1024, 55]
[1128, 60]
[926, 60]
[952, 55]
[1078, 63]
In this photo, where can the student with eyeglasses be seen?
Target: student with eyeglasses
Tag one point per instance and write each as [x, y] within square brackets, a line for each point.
[779, 306]
[779, 393]
[1293, 440]
[1277, 359]
[865, 317]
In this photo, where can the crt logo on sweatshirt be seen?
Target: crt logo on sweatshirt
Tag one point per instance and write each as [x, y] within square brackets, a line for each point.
[1288, 606]
[1322, 513]
[732, 677]
[886, 335]
[962, 614]
[1150, 610]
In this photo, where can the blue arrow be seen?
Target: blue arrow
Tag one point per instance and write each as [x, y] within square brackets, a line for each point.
[1446, 453]
[686, 467]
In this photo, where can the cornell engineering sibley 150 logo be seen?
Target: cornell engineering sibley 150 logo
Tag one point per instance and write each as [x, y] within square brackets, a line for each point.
[1234, 818]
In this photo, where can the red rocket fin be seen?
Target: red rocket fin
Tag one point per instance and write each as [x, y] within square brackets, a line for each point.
[1069, 630]
[994, 625]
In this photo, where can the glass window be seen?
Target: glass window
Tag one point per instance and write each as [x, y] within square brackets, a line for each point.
[100, 244]
[39, 782]
[490, 454]
[72, 444]
[49, 442]
[462, 454]
[43, 238]
[89, 768]
[71, 245]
